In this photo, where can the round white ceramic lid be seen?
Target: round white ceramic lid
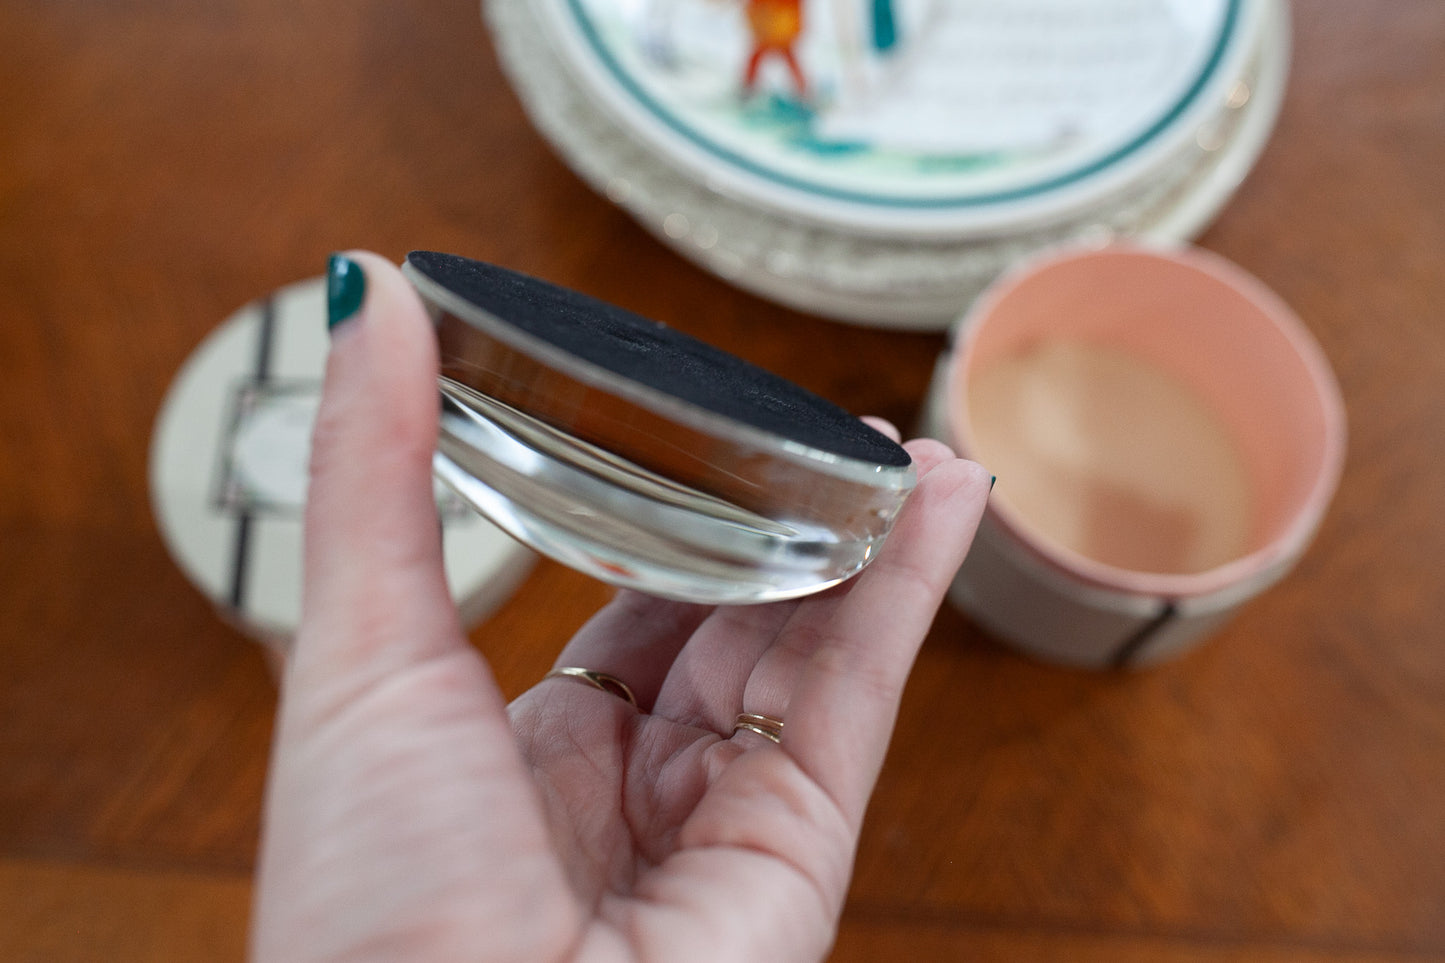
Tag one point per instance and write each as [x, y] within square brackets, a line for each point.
[923, 117]
[228, 472]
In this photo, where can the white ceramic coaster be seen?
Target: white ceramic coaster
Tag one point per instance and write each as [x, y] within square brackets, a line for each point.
[228, 472]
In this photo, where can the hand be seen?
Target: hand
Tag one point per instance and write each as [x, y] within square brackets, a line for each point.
[412, 815]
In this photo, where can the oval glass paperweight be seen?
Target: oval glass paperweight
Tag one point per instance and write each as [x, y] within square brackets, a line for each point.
[641, 456]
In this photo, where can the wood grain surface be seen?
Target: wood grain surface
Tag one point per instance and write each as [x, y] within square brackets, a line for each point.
[1277, 795]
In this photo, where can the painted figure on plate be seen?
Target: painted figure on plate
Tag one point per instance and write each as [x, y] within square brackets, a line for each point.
[775, 26]
[815, 46]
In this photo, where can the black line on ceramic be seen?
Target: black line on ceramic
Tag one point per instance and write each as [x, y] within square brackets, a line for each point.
[263, 342]
[1130, 647]
[240, 556]
[241, 547]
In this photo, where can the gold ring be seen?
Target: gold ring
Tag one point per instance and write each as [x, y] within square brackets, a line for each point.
[765, 726]
[597, 680]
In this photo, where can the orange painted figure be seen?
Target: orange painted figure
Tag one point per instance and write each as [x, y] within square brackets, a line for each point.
[776, 25]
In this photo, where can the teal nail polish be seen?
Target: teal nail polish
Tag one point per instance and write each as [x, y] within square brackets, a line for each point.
[992, 480]
[345, 289]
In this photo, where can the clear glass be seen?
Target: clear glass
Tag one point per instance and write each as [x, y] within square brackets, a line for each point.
[636, 487]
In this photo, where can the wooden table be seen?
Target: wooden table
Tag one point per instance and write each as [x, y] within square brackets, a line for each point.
[1278, 795]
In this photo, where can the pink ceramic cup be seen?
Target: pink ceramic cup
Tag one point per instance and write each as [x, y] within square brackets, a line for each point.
[1225, 340]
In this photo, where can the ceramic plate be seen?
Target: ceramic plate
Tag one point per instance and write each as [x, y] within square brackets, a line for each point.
[908, 282]
[916, 117]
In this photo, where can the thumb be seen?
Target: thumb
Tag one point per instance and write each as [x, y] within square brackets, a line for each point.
[375, 597]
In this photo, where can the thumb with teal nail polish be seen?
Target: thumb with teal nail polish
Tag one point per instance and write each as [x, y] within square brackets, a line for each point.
[345, 289]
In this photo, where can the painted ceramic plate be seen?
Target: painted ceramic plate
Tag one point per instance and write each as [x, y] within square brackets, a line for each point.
[908, 117]
[900, 281]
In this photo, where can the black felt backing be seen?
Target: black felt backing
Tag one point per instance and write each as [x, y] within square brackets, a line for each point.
[660, 357]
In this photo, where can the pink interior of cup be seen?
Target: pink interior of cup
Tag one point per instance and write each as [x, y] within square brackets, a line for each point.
[1216, 329]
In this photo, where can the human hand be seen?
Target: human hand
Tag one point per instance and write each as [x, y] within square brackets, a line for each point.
[411, 814]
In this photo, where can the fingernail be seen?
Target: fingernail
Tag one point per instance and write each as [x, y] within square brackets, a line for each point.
[345, 289]
[991, 480]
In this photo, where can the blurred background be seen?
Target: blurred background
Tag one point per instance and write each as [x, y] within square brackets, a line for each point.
[1277, 794]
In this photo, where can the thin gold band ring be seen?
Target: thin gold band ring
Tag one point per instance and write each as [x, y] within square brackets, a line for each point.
[765, 726]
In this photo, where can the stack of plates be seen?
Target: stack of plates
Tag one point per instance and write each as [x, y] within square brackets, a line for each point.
[919, 148]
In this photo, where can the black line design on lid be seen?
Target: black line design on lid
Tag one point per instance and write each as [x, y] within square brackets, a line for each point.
[241, 546]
